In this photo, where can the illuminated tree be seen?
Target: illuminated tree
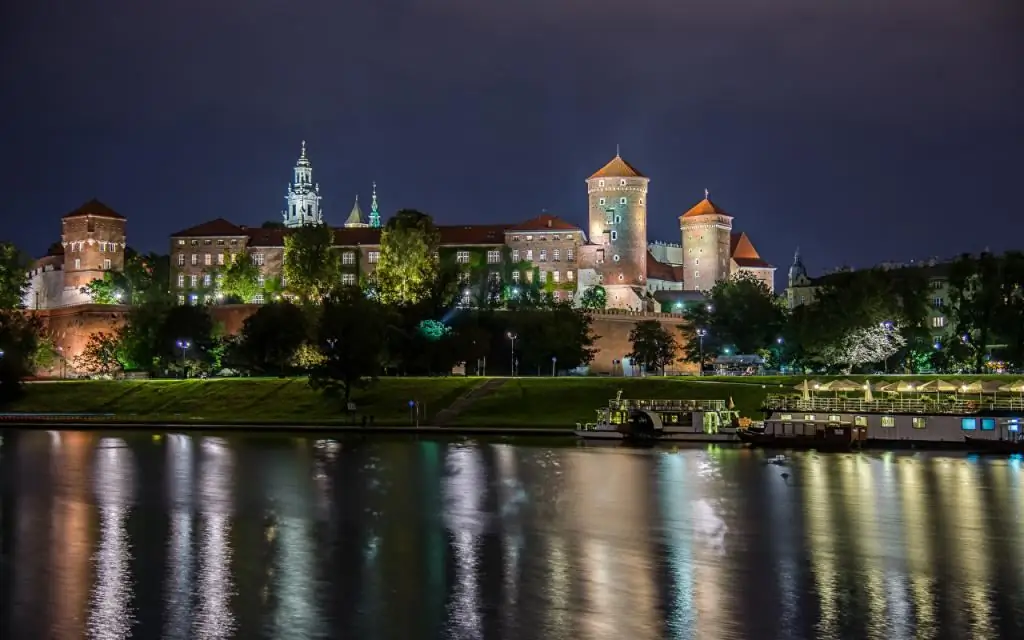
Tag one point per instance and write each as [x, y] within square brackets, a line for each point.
[311, 264]
[13, 276]
[239, 282]
[654, 347]
[864, 346]
[102, 354]
[408, 264]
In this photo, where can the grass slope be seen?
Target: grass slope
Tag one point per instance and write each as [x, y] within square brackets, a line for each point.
[256, 400]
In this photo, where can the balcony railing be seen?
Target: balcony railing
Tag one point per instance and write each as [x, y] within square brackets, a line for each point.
[669, 405]
[922, 404]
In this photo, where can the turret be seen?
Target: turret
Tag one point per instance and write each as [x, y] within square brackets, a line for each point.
[617, 202]
[797, 271]
[93, 237]
[706, 232]
[302, 201]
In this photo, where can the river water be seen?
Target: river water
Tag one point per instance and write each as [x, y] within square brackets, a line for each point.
[155, 535]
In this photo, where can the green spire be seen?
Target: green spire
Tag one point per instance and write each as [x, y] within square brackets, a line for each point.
[374, 213]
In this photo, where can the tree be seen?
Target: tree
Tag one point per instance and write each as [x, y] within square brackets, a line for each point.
[311, 264]
[19, 337]
[112, 288]
[408, 264]
[976, 302]
[741, 313]
[654, 347]
[239, 281]
[271, 337]
[351, 336]
[13, 276]
[594, 298]
[560, 332]
[102, 355]
[147, 277]
[864, 346]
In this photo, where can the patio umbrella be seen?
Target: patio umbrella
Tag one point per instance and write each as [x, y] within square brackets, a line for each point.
[981, 387]
[906, 386]
[1017, 386]
[940, 386]
[841, 385]
[888, 387]
[805, 389]
[732, 405]
[867, 392]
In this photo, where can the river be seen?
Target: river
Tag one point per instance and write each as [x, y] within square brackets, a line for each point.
[158, 535]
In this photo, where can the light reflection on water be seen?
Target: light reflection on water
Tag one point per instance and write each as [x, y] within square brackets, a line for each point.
[201, 537]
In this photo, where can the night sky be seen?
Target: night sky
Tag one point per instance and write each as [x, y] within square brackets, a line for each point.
[860, 130]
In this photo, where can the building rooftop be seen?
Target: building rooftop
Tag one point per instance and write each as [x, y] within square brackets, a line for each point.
[742, 251]
[617, 168]
[704, 208]
[657, 270]
[544, 222]
[94, 208]
[217, 227]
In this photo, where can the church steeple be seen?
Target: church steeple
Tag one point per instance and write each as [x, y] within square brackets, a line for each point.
[303, 197]
[355, 218]
[374, 212]
[797, 271]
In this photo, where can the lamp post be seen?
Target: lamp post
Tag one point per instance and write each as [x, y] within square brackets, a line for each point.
[554, 361]
[700, 337]
[63, 363]
[512, 337]
[779, 341]
[184, 345]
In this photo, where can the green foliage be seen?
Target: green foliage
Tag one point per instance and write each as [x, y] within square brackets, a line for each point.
[149, 339]
[741, 314]
[560, 332]
[594, 298]
[239, 281]
[311, 264]
[351, 335]
[112, 288]
[146, 277]
[102, 355]
[13, 276]
[46, 353]
[654, 347]
[408, 266]
[271, 337]
[19, 339]
[433, 330]
[986, 308]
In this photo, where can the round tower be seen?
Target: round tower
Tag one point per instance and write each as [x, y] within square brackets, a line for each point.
[707, 240]
[617, 202]
[93, 237]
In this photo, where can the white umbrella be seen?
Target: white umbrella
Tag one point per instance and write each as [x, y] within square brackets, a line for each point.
[867, 392]
[936, 385]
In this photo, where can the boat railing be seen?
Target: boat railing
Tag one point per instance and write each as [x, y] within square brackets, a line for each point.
[669, 405]
[926, 405]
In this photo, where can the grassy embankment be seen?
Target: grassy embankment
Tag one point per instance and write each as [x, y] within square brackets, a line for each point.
[527, 402]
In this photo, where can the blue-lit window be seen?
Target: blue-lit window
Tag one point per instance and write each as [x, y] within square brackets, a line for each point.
[988, 424]
[969, 424]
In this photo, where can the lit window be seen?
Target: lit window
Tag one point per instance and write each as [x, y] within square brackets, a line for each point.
[515, 276]
[600, 183]
[181, 259]
[348, 279]
[833, 418]
[181, 242]
[192, 299]
[615, 235]
[493, 256]
[195, 259]
[257, 259]
[220, 259]
[988, 424]
[515, 238]
[374, 257]
[220, 242]
[919, 422]
[568, 276]
[261, 280]
[860, 421]
[529, 276]
[809, 417]
[207, 259]
[616, 257]
[543, 255]
[529, 238]
[515, 255]
[600, 202]
[106, 264]
[570, 255]
[181, 280]
[622, 201]
[257, 299]
[696, 274]
[888, 421]
[529, 255]
[787, 417]
[181, 298]
[968, 424]
[462, 257]
[556, 276]
[938, 322]
[349, 257]
[622, 182]
[193, 280]
[207, 280]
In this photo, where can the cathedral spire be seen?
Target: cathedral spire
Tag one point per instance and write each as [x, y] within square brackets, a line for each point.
[374, 212]
[355, 218]
[303, 197]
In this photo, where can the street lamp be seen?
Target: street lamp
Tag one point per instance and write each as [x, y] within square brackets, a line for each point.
[184, 345]
[512, 337]
[779, 341]
[700, 336]
[554, 361]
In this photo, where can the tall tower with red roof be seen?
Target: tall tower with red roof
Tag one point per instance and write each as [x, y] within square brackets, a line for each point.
[706, 233]
[617, 202]
[93, 237]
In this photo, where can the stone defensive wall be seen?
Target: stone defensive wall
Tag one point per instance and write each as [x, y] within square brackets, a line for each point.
[71, 327]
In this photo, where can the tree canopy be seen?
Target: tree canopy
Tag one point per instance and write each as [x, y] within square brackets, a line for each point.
[13, 276]
[311, 263]
[408, 265]
[654, 347]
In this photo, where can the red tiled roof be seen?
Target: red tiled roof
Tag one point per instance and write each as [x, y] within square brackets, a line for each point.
[260, 237]
[473, 234]
[94, 208]
[218, 227]
[617, 168]
[543, 222]
[704, 208]
[660, 271]
[352, 236]
[742, 251]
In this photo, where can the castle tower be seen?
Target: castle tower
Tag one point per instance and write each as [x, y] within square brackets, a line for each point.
[303, 198]
[706, 236]
[617, 204]
[93, 236]
[355, 217]
[374, 211]
[797, 271]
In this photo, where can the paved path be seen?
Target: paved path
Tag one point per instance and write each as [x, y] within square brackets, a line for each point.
[445, 416]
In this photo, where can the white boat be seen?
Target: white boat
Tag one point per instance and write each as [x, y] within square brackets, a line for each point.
[663, 420]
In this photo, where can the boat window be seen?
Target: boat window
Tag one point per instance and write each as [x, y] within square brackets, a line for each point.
[809, 418]
[988, 424]
[860, 421]
[1014, 425]
[968, 424]
[888, 421]
[833, 418]
[787, 416]
[920, 423]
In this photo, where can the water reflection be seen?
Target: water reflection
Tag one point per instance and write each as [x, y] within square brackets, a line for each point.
[294, 538]
[110, 604]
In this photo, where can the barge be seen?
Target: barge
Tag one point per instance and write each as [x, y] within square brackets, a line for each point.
[923, 422]
[663, 420]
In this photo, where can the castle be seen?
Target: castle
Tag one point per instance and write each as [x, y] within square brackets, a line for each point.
[614, 252]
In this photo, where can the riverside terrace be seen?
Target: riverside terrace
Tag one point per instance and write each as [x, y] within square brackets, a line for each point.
[923, 404]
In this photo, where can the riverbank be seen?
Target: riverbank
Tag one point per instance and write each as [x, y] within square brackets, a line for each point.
[453, 403]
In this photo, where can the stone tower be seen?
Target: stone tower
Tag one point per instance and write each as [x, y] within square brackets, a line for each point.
[706, 236]
[94, 241]
[617, 202]
[303, 198]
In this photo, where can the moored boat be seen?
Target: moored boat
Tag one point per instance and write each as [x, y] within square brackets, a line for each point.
[663, 420]
[989, 445]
